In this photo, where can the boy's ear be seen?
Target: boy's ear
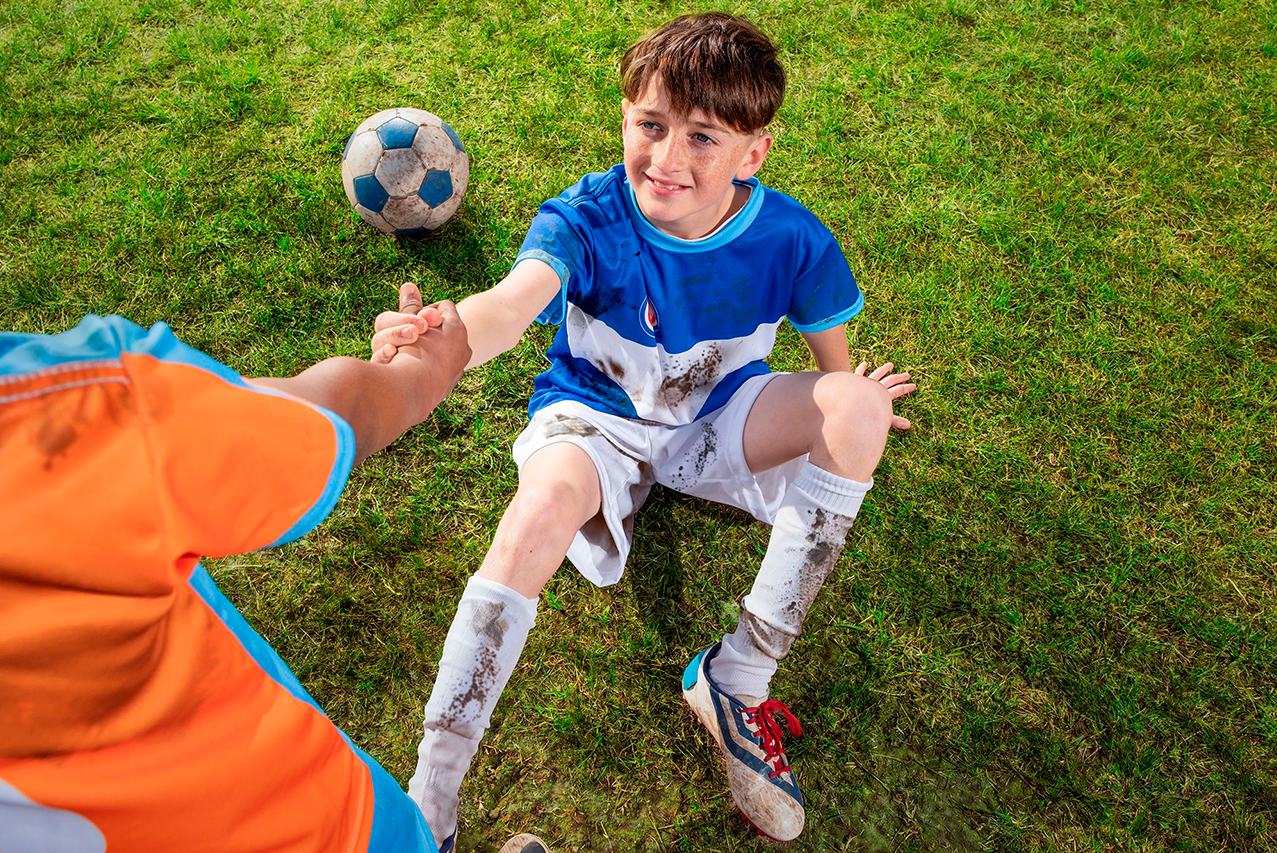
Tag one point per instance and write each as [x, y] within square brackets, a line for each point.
[754, 156]
[625, 111]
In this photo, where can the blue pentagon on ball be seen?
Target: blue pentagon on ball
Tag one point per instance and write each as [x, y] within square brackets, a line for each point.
[370, 193]
[452, 134]
[397, 133]
[436, 188]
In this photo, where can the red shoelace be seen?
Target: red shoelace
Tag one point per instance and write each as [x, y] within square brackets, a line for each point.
[769, 731]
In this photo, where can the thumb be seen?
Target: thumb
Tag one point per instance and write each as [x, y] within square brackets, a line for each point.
[409, 298]
[448, 310]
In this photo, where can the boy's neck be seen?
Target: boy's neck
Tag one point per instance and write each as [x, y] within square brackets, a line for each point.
[735, 199]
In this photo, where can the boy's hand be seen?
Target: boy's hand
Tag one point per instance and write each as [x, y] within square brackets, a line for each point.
[897, 384]
[444, 348]
[394, 329]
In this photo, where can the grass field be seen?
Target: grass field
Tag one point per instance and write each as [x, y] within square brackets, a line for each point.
[1055, 625]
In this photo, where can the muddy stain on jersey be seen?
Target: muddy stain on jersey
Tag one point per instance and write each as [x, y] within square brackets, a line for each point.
[613, 369]
[677, 388]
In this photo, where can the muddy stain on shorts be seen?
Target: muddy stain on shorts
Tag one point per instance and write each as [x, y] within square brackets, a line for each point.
[705, 453]
[568, 425]
[709, 449]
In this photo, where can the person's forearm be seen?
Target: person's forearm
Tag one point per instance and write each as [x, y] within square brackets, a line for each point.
[379, 401]
[829, 349]
[492, 326]
[833, 362]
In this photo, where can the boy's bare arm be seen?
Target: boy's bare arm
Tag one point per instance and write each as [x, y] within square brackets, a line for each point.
[382, 401]
[829, 348]
[495, 319]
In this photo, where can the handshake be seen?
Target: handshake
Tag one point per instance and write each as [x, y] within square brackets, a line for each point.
[433, 333]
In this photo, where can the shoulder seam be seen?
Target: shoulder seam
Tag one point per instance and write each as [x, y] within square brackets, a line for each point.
[66, 367]
[62, 386]
[608, 179]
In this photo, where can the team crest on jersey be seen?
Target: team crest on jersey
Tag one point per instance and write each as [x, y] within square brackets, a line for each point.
[648, 318]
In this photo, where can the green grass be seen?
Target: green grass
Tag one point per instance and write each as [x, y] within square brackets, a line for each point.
[1055, 626]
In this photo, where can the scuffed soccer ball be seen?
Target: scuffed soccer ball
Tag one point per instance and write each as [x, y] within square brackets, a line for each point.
[405, 171]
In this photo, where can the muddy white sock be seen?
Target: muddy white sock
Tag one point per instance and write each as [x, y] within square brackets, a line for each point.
[480, 652]
[807, 538]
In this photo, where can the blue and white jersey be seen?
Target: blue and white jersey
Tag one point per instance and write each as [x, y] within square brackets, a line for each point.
[664, 329]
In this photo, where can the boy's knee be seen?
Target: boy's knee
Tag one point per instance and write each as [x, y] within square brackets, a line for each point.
[854, 403]
[551, 505]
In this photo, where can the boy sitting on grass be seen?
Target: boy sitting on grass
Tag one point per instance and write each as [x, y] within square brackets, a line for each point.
[668, 276]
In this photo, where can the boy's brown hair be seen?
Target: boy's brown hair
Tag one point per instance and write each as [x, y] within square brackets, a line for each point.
[716, 62]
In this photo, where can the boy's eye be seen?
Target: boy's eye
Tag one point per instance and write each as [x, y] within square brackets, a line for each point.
[649, 125]
[702, 138]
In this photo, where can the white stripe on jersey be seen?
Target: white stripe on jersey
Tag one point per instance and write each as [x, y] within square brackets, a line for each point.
[29, 827]
[663, 386]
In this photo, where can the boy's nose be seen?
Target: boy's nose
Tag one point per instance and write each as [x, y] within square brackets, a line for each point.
[670, 155]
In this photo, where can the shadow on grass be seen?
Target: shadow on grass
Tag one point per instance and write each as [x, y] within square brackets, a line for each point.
[457, 253]
[655, 570]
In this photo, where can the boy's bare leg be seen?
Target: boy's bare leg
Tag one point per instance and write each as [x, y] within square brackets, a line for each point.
[558, 492]
[841, 421]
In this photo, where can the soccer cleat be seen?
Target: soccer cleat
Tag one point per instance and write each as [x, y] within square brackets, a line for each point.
[762, 783]
[525, 843]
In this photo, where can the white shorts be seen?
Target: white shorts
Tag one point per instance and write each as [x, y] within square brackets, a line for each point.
[705, 458]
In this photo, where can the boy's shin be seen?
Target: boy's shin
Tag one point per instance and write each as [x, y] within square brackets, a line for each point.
[482, 648]
[808, 536]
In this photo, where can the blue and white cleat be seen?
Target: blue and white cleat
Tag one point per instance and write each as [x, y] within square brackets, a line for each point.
[762, 783]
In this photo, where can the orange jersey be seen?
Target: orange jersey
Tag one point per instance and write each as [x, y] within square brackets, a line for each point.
[138, 710]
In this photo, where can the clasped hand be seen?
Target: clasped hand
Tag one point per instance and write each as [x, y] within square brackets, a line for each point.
[433, 332]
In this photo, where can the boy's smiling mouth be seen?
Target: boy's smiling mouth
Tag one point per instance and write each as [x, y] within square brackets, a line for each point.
[662, 187]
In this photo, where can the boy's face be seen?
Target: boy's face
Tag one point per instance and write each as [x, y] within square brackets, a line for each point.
[682, 166]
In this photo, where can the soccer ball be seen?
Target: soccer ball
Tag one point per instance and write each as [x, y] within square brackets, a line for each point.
[405, 171]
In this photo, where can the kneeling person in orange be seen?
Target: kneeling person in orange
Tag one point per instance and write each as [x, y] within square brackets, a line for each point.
[138, 710]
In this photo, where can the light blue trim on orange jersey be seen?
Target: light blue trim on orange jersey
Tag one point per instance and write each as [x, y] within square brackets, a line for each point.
[549, 316]
[94, 339]
[337, 476]
[732, 229]
[258, 649]
[398, 825]
[830, 322]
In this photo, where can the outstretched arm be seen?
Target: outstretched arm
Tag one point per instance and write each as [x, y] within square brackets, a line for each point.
[495, 318]
[382, 401]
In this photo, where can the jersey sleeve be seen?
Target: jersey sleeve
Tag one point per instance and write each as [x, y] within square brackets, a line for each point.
[559, 237]
[223, 466]
[245, 466]
[825, 293]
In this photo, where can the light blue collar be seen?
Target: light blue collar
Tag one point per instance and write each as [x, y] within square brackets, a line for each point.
[729, 231]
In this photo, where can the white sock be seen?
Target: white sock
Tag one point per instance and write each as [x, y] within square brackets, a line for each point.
[479, 654]
[807, 539]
